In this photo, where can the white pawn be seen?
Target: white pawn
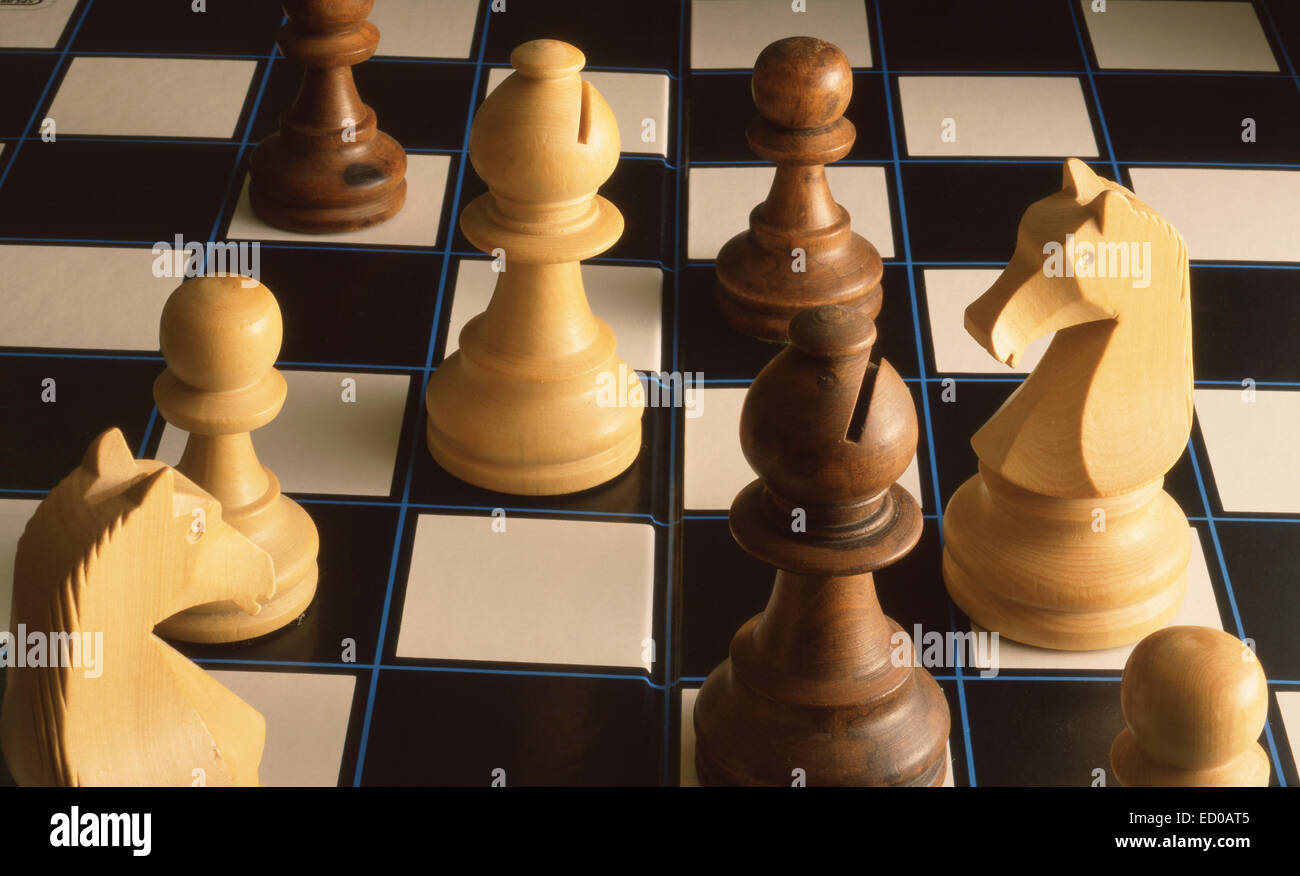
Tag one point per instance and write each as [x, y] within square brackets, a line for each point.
[220, 341]
[1195, 701]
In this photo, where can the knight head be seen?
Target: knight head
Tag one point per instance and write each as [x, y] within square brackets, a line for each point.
[202, 558]
[1081, 256]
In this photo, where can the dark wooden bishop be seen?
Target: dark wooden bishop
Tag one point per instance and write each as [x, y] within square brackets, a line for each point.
[810, 684]
[329, 167]
[801, 87]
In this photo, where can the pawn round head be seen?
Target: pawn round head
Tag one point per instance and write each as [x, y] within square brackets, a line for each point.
[1193, 697]
[218, 335]
[802, 82]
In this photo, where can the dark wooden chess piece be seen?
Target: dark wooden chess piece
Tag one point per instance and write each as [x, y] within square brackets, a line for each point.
[329, 167]
[801, 87]
[813, 682]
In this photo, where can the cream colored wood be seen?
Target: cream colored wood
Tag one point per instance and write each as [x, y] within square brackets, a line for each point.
[1195, 701]
[1064, 538]
[531, 403]
[220, 339]
[116, 548]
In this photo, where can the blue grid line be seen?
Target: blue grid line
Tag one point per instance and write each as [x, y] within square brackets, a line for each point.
[230, 182]
[1092, 85]
[417, 667]
[920, 360]
[1281, 44]
[1191, 448]
[40, 101]
[1232, 598]
[419, 418]
[671, 573]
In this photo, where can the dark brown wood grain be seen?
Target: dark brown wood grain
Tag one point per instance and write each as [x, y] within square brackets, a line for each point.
[811, 684]
[801, 88]
[328, 167]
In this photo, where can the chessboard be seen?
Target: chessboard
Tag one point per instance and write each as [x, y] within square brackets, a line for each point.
[463, 637]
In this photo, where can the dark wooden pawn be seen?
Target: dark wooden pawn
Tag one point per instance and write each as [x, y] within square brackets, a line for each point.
[801, 87]
[329, 167]
[813, 682]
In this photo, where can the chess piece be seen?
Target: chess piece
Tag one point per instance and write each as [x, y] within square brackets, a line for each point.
[799, 251]
[116, 547]
[813, 682]
[536, 401]
[1195, 701]
[328, 167]
[220, 341]
[1064, 538]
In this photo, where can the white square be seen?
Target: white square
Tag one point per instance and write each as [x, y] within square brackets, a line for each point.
[152, 97]
[715, 469]
[948, 291]
[635, 99]
[1252, 447]
[424, 29]
[542, 591]
[1199, 609]
[321, 443]
[687, 777]
[629, 298]
[415, 225]
[731, 33]
[995, 115]
[1227, 214]
[1170, 35]
[306, 723]
[1288, 703]
[721, 199]
[81, 297]
[14, 514]
[34, 27]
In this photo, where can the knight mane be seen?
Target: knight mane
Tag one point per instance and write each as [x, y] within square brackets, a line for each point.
[52, 591]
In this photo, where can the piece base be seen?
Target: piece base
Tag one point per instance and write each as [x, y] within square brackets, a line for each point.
[864, 727]
[283, 529]
[1133, 769]
[227, 622]
[295, 186]
[570, 476]
[1035, 569]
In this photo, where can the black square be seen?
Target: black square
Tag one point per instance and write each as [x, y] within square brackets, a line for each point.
[24, 77]
[1257, 555]
[924, 35]
[173, 27]
[970, 212]
[455, 728]
[1244, 324]
[41, 442]
[118, 191]
[642, 34]
[344, 306]
[1199, 118]
[1035, 733]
